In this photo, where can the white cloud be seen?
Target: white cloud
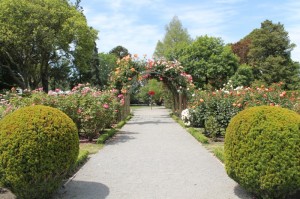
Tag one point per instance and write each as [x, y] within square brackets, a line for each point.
[120, 29]
[124, 22]
[139, 24]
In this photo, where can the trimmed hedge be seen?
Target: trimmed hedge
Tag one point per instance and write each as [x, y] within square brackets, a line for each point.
[262, 151]
[38, 146]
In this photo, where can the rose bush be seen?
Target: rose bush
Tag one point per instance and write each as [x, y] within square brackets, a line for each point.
[223, 104]
[91, 110]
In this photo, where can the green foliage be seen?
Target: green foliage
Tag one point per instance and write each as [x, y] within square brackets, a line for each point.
[38, 146]
[218, 107]
[209, 61]
[111, 132]
[108, 63]
[168, 99]
[222, 105]
[219, 153]
[91, 110]
[175, 39]
[198, 135]
[268, 51]
[106, 135]
[212, 128]
[243, 76]
[35, 35]
[81, 159]
[262, 147]
[269, 40]
[171, 73]
[119, 51]
[152, 85]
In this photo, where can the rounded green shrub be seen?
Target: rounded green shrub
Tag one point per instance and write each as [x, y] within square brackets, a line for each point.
[262, 151]
[38, 146]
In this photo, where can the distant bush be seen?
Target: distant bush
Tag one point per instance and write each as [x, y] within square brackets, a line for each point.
[262, 147]
[38, 146]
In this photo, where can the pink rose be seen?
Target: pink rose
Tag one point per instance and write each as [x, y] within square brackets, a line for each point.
[105, 106]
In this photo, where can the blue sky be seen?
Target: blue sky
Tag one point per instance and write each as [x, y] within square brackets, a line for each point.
[139, 24]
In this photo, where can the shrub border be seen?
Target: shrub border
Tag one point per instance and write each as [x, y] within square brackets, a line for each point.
[111, 132]
[218, 151]
[194, 132]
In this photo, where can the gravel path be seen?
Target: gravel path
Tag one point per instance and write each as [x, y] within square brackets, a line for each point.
[152, 158]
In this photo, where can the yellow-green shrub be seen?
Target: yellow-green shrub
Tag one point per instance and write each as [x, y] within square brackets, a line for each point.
[262, 151]
[38, 145]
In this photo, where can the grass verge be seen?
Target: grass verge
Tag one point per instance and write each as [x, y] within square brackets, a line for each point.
[86, 149]
[217, 148]
[108, 133]
[91, 148]
[197, 134]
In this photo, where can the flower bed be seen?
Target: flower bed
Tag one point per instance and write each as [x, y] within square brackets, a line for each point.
[213, 110]
[91, 109]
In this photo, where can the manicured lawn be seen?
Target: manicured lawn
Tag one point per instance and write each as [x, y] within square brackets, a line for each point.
[90, 147]
[217, 148]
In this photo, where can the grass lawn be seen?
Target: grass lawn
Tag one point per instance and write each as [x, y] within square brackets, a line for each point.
[90, 147]
[217, 148]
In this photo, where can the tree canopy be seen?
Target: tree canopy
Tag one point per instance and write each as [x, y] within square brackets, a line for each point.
[36, 35]
[176, 38]
[108, 63]
[209, 61]
[268, 51]
[119, 51]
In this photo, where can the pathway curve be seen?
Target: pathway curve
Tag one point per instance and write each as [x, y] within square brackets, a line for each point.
[152, 158]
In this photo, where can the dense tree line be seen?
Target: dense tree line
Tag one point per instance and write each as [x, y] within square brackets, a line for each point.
[48, 43]
[261, 57]
[40, 37]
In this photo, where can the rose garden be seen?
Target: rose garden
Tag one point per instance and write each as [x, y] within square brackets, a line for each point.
[243, 110]
[206, 114]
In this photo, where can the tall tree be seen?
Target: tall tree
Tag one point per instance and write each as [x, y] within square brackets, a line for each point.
[243, 76]
[119, 52]
[95, 68]
[35, 34]
[241, 49]
[269, 40]
[270, 54]
[209, 61]
[59, 74]
[175, 39]
[108, 63]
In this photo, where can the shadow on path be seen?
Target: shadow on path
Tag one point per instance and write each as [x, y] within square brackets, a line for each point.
[121, 137]
[156, 122]
[240, 192]
[83, 190]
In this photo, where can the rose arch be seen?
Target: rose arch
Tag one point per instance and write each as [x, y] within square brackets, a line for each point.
[132, 70]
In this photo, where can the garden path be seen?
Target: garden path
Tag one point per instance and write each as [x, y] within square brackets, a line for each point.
[152, 158]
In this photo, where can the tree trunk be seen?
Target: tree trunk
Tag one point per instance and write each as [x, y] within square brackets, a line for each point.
[45, 71]
[19, 79]
[44, 77]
